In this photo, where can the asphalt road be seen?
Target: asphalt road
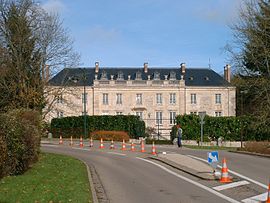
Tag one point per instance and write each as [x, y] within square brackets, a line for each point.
[131, 177]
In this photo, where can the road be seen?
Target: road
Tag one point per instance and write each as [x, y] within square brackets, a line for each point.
[130, 177]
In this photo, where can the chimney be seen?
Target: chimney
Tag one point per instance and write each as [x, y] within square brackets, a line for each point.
[96, 67]
[227, 73]
[145, 67]
[183, 68]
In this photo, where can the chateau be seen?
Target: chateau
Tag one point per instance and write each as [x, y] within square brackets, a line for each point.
[156, 95]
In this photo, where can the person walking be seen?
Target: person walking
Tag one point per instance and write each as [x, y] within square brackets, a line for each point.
[179, 135]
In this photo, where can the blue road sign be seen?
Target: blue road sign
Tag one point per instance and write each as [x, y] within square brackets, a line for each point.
[212, 157]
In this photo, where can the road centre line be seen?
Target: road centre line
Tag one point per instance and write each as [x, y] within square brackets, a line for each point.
[192, 182]
[235, 173]
[256, 199]
[116, 153]
[231, 185]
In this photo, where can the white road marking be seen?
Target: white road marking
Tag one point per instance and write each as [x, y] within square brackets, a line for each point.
[116, 153]
[231, 185]
[235, 173]
[192, 182]
[48, 145]
[256, 199]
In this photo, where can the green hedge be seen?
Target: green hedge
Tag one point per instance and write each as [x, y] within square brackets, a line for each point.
[19, 141]
[74, 126]
[230, 128]
[159, 142]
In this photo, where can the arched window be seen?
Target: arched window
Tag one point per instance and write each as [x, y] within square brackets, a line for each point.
[104, 75]
[138, 75]
[156, 75]
[120, 75]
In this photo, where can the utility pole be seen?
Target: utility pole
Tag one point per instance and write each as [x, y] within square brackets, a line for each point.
[84, 103]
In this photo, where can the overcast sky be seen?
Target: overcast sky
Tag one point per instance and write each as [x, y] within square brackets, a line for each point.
[164, 33]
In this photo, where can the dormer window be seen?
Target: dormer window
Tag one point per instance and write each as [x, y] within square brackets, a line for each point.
[191, 78]
[156, 75]
[138, 75]
[120, 75]
[206, 78]
[172, 75]
[104, 75]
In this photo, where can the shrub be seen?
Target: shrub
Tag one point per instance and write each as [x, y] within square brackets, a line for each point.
[109, 135]
[21, 141]
[74, 125]
[258, 147]
[165, 142]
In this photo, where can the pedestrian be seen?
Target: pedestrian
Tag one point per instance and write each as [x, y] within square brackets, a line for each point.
[179, 135]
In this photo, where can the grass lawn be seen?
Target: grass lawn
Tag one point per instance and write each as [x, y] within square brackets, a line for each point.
[210, 147]
[55, 178]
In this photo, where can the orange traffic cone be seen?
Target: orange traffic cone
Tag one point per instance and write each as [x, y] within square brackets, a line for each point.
[60, 140]
[224, 173]
[71, 141]
[81, 142]
[142, 146]
[101, 144]
[268, 195]
[132, 147]
[91, 144]
[112, 145]
[123, 145]
[154, 149]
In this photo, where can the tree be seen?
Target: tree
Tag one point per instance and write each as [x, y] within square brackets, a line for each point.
[33, 46]
[251, 56]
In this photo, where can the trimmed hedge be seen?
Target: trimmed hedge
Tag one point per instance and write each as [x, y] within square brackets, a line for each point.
[19, 141]
[230, 128]
[159, 142]
[110, 135]
[74, 126]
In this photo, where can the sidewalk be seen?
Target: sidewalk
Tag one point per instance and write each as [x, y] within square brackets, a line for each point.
[187, 164]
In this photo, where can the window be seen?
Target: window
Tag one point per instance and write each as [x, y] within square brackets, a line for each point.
[138, 76]
[172, 117]
[120, 75]
[218, 113]
[193, 113]
[84, 97]
[118, 98]
[59, 99]
[60, 114]
[193, 99]
[172, 75]
[218, 98]
[140, 114]
[104, 75]
[105, 99]
[159, 98]
[138, 98]
[119, 113]
[158, 118]
[156, 75]
[172, 98]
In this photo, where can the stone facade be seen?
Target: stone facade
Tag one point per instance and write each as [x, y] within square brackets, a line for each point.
[156, 101]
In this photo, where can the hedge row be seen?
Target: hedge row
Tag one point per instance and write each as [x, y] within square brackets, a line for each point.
[110, 135]
[230, 128]
[74, 125]
[19, 141]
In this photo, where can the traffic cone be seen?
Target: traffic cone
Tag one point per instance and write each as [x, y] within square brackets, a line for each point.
[81, 142]
[101, 144]
[154, 149]
[91, 144]
[132, 147]
[71, 141]
[60, 140]
[123, 145]
[268, 195]
[142, 146]
[224, 173]
[112, 145]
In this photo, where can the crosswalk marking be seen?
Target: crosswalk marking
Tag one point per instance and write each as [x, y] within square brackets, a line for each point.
[256, 199]
[231, 185]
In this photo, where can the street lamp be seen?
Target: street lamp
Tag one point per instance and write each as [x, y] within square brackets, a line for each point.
[75, 80]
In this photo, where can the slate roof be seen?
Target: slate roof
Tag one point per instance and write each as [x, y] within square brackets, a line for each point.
[193, 76]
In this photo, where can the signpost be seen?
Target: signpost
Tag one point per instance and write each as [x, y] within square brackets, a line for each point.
[202, 115]
[212, 159]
